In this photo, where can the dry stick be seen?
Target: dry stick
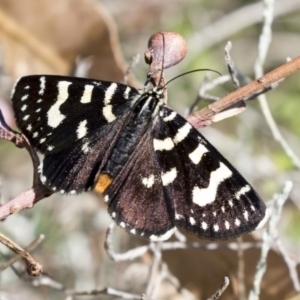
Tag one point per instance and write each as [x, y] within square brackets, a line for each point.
[275, 214]
[29, 248]
[221, 289]
[25, 200]
[241, 270]
[291, 263]
[167, 246]
[203, 117]
[105, 291]
[156, 263]
[264, 42]
[226, 25]
[34, 268]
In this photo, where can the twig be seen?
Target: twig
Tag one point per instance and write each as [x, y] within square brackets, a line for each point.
[25, 200]
[117, 257]
[221, 289]
[34, 268]
[230, 66]
[264, 42]
[291, 264]
[167, 246]
[157, 254]
[135, 60]
[226, 26]
[105, 291]
[29, 248]
[241, 270]
[203, 117]
[275, 213]
[20, 141]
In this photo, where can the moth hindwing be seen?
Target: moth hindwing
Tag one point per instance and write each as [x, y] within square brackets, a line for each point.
[155, 171]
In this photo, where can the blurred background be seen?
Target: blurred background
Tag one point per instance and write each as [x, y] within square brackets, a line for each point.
[98, 39]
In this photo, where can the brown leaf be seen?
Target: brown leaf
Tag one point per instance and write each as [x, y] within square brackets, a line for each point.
[202, 271]
[47, 36]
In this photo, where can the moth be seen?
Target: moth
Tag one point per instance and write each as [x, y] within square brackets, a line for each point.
[155, 171]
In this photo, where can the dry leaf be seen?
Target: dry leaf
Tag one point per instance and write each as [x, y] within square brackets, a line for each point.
[47, 36]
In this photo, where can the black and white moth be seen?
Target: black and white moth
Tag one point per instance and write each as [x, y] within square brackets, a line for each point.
[156, 171]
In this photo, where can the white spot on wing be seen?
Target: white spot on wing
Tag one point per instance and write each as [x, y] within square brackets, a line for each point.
[178, 216]
[42, 85]
[106, 198]
[126, 93]
[122, 224]
[182, 133]
[237, 222]
[192, 221]
[107, 109]
[170, 117]
[87, 93]
[216, 227]
[197, 154]
[243, 191]
[108, 114]
[24, 97]
[23, 107]
[81, 130]
[168, 177]
[26, 117]
[148, 181]
[165, 236]
[160, 145]
[227, 225]
[133, 231]
[110, 92]
[204, 225]
[54, 115]
[42, 140]
[85, 147]
[207, 195]
[29, 127]
[113, 215]
[246, 215]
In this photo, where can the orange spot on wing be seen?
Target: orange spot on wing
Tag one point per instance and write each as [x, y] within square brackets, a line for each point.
[103, 183]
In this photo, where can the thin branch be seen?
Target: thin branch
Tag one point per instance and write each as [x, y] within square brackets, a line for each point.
[29, 248]
[105, 291]
[34, 268]
[264, 43]
[167, 246]
[156, 263]
[291, 264]
[221, 289]
[275, 213]
[230, 66]
[25, 200]
[204, 116]
[226, 26]
[135, 60]
[241, 270]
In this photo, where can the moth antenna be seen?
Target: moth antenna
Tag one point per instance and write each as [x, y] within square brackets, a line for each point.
[193, 71]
